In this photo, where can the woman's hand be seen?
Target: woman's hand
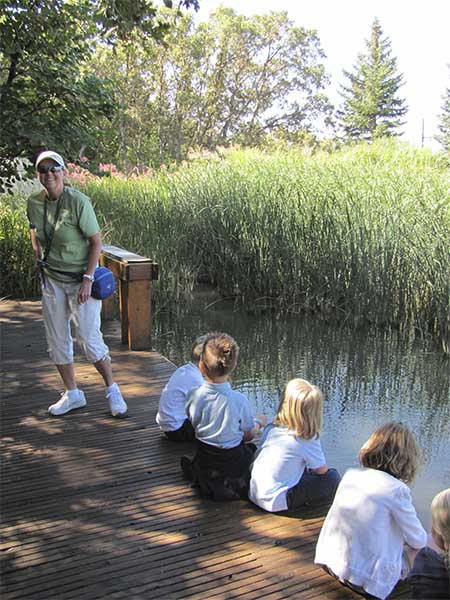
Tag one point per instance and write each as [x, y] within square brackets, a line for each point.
[36, 250]
[84, 292]
[36, 266]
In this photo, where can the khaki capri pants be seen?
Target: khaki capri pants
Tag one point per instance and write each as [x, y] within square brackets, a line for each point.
[59, 308]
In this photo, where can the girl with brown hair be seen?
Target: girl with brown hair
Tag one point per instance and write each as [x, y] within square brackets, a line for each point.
[372, 528]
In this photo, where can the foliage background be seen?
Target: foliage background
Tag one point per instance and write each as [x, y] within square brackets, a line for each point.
[129, 92]
[362, 235]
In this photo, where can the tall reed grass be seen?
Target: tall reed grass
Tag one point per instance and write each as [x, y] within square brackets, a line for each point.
[17, 277]
[360, 235]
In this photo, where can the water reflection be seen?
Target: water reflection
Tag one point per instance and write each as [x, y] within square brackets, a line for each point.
[367, 378]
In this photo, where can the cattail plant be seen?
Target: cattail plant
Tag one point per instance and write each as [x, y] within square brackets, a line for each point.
[361, 235]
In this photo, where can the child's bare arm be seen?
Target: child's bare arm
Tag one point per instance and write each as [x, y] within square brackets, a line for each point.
[320, 470]
[260, 423]
[261, 419]
[249, 435]
[35, 245]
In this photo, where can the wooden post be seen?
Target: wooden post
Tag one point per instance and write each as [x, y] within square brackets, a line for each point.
[108, 309]
[123, 310]
[108, 303]
[135, 274]
[139, 315]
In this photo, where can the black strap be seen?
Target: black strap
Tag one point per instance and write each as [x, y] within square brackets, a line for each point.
[75, 275]
[49, 235]
[48, 243]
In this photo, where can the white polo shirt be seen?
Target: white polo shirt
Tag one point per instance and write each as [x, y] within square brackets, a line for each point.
[279, 465]
[219, 414]
[172, 404]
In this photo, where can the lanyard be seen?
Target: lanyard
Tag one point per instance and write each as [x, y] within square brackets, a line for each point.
[49, 235]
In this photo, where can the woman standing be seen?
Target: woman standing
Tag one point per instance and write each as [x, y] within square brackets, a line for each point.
[67, 243]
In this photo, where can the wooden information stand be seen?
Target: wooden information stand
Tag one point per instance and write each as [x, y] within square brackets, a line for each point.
[135, 274]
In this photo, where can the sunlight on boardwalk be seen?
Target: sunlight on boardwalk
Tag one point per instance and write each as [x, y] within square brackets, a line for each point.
[94, 507]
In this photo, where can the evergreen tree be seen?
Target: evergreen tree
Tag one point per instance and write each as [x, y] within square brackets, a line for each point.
[444, 123]
[371, 107]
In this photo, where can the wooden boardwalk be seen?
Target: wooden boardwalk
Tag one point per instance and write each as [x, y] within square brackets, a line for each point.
[94, 507]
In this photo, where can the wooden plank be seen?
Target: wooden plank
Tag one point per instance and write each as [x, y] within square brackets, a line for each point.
[111, 263]
[97, 508]
[138, 272]
[131, 271]
[123, 255]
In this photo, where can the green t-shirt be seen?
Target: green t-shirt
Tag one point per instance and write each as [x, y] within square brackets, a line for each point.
[76, 223]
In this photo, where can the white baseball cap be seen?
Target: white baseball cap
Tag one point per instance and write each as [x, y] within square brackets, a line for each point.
[52, 156]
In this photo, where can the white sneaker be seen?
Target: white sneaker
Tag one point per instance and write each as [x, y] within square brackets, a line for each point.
[117, 404]
[68, 402]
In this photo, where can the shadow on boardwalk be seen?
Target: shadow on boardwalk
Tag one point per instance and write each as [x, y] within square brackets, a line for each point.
[94, 507]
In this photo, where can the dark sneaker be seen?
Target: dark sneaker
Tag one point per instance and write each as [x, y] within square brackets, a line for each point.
[186, 467]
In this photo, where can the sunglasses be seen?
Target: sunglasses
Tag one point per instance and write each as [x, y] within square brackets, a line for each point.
[51, 169]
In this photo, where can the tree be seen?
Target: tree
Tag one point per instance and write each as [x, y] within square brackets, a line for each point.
[231, 79]
[48, 96]
[444, 122]
[261, 76]
[45, 96]
[137, 133]
[372, 107]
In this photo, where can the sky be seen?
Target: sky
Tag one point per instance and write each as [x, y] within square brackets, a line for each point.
[419, 33]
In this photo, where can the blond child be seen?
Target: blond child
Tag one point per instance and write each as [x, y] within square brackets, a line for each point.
[372, 520]
[289, 470]
[429, 576]
[223, 421]
[171, 416]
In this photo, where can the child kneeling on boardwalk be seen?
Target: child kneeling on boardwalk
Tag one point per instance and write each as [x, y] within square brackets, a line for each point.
[171, 415]
[372, 529]
[430, 575]
[223, 421]
[289, 471]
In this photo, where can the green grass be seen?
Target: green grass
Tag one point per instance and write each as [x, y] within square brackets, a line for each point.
[362, 235]
[17, 277]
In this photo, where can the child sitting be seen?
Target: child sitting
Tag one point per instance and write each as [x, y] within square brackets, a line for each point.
[372, 518]
[171, 415]
[429, 576]
[289, 470]
[223, 421]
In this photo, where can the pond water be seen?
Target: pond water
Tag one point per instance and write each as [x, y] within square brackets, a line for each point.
[368, 378]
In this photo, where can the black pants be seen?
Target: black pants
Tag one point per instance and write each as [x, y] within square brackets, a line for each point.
[313, 489]
[356, 588]
[223, 473]
[185, 433]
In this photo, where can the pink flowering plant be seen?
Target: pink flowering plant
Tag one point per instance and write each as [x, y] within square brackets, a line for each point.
[79, 174]
[83, 173]
[108, 169]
